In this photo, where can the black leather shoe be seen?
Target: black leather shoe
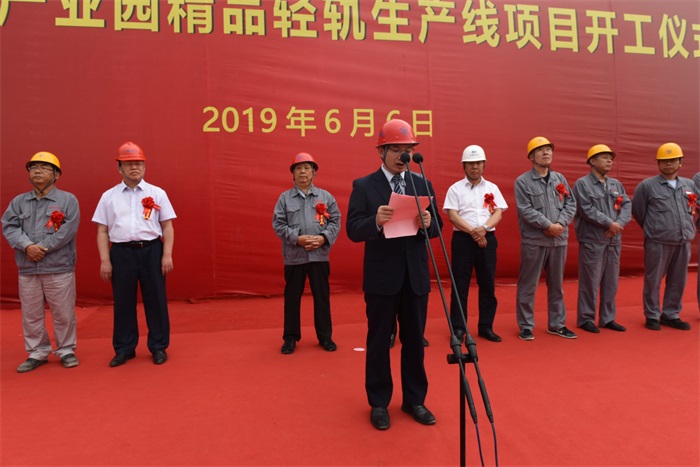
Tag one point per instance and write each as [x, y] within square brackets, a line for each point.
[615, 327]
[289, 344]
[674, 323]
[328, 345]
[420, 413]
[652, 324]
[392, 340]
[160, 357]
[121, 359]
[489, 335]
[30, 364]
[379, 416]
[590, 327]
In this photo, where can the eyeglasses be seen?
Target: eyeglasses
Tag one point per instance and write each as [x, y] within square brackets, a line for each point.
[400, 149]
[43, 168]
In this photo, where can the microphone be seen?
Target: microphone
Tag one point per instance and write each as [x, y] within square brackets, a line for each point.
[405, 157]
[418, 158]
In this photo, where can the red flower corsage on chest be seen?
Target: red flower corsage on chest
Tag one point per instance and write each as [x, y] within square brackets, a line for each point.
[148, 206]
[55, 220]
[562, 191]
[489, 203]
[692, 202]
[618, 202]
[322, 213]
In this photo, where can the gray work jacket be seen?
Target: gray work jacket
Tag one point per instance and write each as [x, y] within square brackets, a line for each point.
[663, 211]
[296, 215]
[696, 180]
[539, 205]
[25, 223]
[595, 209]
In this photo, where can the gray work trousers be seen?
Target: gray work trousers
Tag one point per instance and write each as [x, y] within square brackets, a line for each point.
[664, 260]
[58, 291]
[598, 270]
[533, 259]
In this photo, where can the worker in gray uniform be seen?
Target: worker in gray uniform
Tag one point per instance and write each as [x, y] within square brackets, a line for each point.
[545, 208]
[662, 206]
[696, 180]
[603, 209]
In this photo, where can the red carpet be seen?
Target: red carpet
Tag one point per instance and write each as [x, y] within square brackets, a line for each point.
[228, 397]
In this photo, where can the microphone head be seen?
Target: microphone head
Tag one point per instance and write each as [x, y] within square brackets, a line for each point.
[418, 158]
[405, 157]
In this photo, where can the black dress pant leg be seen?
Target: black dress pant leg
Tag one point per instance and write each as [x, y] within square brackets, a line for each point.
[485, 266]
[319, 273]
[155, 300]
[381, 317]
[463, 259]
[295, 280]
[125, 274]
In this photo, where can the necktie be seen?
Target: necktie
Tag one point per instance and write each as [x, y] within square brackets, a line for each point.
[396, 180]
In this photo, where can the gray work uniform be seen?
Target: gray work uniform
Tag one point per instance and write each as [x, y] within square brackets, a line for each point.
[297, 214]
[597, 207]
[696, 180]
[539, 205]
[666, 219]
[50, 280]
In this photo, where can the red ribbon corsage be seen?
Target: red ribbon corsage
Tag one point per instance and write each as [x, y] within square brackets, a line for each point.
[55, 220]
[321, 212]
[562, 191]
[489, 203]
[618, 202]
[148, 206]
[692, 200]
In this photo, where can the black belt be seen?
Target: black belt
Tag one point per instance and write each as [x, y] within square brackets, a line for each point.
[143, 244]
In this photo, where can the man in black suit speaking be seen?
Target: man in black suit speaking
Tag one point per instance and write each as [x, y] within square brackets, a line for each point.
[396, 278]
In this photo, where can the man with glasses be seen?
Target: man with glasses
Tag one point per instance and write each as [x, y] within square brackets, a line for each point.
[396, 277]
[134, 216]
[663, 205]
[41, 226]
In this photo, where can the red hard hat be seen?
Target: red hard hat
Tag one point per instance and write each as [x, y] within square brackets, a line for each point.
[130, 152]
[396, 131]
[303, 157]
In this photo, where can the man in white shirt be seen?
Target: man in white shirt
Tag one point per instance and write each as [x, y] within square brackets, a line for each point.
[474, 207]
[133, 216]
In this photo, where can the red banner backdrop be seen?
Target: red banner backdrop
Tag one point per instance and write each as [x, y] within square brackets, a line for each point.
[221, 96]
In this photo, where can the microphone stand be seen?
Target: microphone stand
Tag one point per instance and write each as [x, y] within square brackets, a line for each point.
[457, 357]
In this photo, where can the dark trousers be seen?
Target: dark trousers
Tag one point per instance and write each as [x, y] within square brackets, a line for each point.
[295, 277]
[466, 257]
[382, 311]
[130, 268]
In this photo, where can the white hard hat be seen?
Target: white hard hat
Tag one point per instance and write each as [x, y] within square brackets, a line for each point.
[473, 153]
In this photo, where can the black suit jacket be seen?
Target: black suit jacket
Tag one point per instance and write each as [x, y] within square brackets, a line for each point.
[386, 261]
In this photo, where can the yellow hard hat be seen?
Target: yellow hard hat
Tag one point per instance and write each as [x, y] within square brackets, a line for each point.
[669, 151]
[45, 156]
[537, 142]
[599, 149]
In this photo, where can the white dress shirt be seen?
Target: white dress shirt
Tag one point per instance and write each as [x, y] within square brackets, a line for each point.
[468, 201]
[121, 210]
